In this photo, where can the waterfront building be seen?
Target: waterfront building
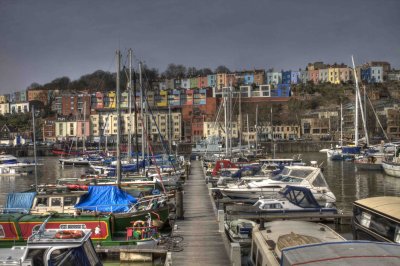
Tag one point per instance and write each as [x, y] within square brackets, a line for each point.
[4, 98]
[170, 84]
[295, 77]
[185, 84]
[193, 82]
[394, 75]
[177, 83]
[372, 74]
[65, 129]
[202, 82]
[385, 68]
[18, 97]
[392, 114]
[97, 101]
[274, 77]
[323, 75]
[124, 100]
[212, 80]
[225, 80]
[38, 95]
[174, 98]
[217, 128]
[162, 85]
[4, 108]
[313, 76]
[21, 107]
[161, 99]
[346, 74]
[286, 77]
[49, 130]
[303, 76]
[110, 100]
[259, 76]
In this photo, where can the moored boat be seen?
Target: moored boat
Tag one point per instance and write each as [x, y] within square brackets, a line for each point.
[53, 247]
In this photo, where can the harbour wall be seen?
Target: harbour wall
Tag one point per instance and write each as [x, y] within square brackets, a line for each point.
[186, 148]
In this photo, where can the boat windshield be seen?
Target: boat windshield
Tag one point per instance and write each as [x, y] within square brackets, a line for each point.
[286, 179]
[319, 181]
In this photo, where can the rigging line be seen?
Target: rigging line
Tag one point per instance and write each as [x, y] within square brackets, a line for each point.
[377, 118]
[165, 149]
[152, 153]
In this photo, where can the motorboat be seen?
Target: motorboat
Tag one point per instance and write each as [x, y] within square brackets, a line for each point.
[342, 253]
[75, 161]
[270, 242]
[294, 200]
[369, 162]
[10, 165]
[240, 230]
[53, 247]
[304, 176]
[391, 165]
[377, 219]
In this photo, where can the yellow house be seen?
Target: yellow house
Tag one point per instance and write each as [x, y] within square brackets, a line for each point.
[3, 99]
[162, 99]
[334, 75]
[111, 99]
[4, 108]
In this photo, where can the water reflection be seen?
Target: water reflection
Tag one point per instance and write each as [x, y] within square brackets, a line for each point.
[47, 173]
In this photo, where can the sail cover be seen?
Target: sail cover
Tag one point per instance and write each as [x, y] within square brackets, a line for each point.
[17, 202]
[106, 199]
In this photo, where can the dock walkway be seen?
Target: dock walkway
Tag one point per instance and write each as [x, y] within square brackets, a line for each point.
[202, 243]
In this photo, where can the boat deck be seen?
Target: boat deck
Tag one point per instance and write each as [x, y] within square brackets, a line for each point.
[202, 243]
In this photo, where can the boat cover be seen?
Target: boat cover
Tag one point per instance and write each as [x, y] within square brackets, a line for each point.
[300, 196]
[17, 202]
[364, 253]
[106, 199]
[351, 150]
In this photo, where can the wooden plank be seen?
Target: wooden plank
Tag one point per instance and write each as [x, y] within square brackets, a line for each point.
[202, 243]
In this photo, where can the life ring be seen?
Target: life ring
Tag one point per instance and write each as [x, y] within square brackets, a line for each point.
[69, 234]
[139, 223]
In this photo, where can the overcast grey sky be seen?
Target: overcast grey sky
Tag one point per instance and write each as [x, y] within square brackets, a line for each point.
[42, 40]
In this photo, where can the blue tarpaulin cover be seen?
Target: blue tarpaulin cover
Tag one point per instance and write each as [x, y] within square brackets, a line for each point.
[106, 199]
[20, 201]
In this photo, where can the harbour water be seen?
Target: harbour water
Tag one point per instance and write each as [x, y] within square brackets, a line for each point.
[345, 181]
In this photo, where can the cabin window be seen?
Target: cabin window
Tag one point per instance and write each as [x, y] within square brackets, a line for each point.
[55, 201]
[69, 201]
[41, 202]
[319, 181]
[397, 235]
[2, 233]
[365, 219]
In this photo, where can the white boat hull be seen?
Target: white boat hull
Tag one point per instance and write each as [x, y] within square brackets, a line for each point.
[392, 169]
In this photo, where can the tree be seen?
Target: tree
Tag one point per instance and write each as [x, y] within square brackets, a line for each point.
[192, 71]
[204, 72]
[34, 85]
[174, 71]
[222, 69]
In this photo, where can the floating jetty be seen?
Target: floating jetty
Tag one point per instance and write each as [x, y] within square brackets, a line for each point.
[201, 241]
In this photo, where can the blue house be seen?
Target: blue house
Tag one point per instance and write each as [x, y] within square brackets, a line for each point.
[366, 74]
[212, 80]
[281, 90]
[248, 78]
[286, 77]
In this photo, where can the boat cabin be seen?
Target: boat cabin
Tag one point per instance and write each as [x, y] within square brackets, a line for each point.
[53, 247]
[56, 202]
[267, 244]
[377, 219]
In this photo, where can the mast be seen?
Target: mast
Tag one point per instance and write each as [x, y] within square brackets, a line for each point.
[272, 133]
[118, 121]
[34, 146]
[169, 129]
[240, 120]
[130, 106]
[230, 120]
[84, 127]
[341, 124]
[226, 122]
[356, 107]
[256, 128]
[248, 133]
[136, 123]
[141, 108]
